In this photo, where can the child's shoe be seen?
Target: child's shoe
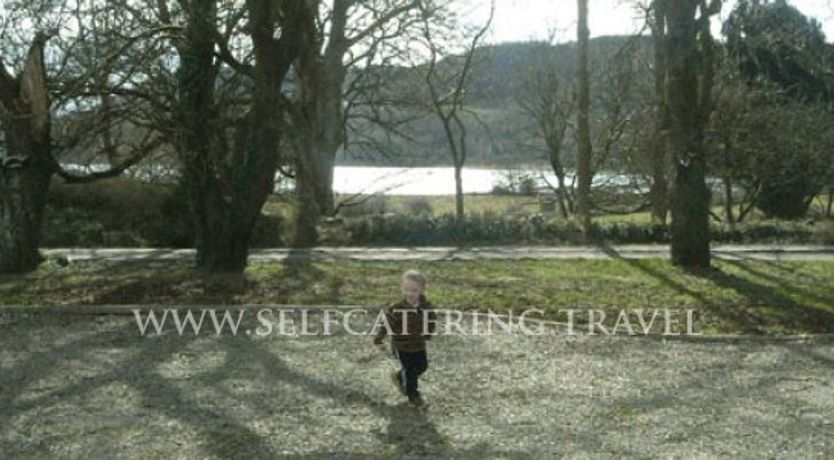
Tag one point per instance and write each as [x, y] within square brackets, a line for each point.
[416, 401]
[395, 380]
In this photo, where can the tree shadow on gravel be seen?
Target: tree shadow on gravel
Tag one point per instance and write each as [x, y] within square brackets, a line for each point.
[802, 349]
[410, 432]
[222, 436]
[713, 395]
[217, 426]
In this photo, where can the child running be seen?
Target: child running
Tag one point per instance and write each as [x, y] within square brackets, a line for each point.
[410, 323]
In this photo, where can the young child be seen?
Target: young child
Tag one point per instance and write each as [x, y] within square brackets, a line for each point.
[411, 322]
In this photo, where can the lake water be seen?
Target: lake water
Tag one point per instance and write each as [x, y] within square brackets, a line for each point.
[399, 181]
[438, 180]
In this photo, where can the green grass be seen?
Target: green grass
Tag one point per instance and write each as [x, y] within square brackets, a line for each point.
[735, 297]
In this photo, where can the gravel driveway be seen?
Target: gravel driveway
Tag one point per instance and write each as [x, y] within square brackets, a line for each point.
[90, 386]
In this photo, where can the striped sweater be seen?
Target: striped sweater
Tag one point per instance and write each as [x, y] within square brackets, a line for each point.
[410, 336]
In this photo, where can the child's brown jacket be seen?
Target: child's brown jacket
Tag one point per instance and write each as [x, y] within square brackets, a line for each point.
[414, 336]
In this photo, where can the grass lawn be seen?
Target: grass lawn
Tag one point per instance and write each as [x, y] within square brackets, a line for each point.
[735, 297]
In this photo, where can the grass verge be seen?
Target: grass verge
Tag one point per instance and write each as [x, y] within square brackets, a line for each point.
[753, 297]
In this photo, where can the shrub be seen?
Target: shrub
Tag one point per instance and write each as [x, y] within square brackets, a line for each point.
[120, 212]
[374, 204]
[419, 206]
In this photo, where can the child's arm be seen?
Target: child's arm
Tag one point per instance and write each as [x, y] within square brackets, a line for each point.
[381, 331]
[432, 322]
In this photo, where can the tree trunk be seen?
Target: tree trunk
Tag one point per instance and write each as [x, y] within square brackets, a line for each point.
[227, 189]
[687, 101]
[321, 117]
[320, 124]
[583, 161]
[26, 165]
[690, 217]
[307, 208]
[330, 133]
[217, 240]
[659, 194]
[830, 201]
[559, 171]
[563, 205]
[459, 217]
[23, 189]
[659, 189]
[728, 202]
[315, 175]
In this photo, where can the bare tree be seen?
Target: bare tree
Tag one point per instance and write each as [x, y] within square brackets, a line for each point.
[68, 83]
[227, 196]
[584, 146]
[447, 90]
[349, 38]
[659, 189]
[548, 101]
[614, 108]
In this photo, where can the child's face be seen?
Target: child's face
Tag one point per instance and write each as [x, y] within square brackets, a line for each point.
[411, 291]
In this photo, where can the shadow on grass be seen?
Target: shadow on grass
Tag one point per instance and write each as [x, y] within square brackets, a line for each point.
[141, 280]
[828, 291]
[767, 307]
[772, 307]
[147, 280]
[299, 276]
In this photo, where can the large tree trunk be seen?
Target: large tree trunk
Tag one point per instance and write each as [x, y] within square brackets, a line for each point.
[319, 125]
[23, 188]
[26, 163]
[317, 178]
[307, 209]
[583, 161]
[330, 133]
[228, 188]
[273, 58]
[690, 214]
[687, 96]
[220, 242]
[321, 117]
[322, 126]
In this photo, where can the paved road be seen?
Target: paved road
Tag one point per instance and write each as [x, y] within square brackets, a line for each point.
[758, 252]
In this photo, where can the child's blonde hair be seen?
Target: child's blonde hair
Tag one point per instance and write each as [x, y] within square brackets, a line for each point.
[416, 276]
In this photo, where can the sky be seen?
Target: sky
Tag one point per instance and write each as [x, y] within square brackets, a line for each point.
[521, 20]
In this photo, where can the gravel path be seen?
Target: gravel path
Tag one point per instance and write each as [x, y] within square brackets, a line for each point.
[733, 252]
[90, 386]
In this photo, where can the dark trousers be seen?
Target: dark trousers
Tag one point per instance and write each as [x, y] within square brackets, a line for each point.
[413, 363]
